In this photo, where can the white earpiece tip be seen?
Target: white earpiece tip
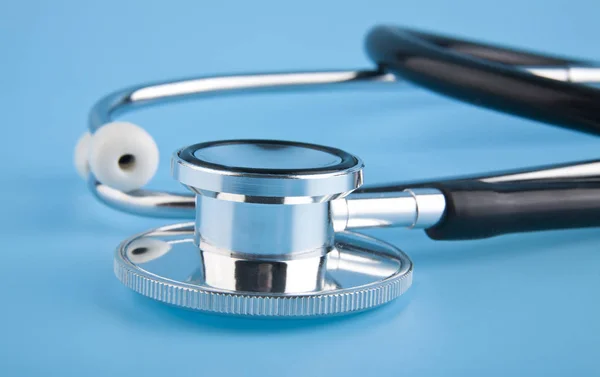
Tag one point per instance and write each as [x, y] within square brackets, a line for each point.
[123, 156]
[82, 150]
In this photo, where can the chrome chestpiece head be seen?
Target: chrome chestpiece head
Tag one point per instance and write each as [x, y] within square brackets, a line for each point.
[264, 240]
[265, 199]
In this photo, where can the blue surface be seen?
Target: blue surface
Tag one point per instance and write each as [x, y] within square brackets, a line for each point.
[514, 305]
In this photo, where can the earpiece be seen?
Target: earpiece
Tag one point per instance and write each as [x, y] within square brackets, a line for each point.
[82, 151]
[120, 155]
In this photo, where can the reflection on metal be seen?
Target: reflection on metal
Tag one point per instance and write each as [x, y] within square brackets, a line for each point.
[357, 274]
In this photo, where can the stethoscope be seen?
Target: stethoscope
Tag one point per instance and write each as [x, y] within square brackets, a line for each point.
[274, 221]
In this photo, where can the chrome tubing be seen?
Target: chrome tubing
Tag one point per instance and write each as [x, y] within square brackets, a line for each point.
[120, 102]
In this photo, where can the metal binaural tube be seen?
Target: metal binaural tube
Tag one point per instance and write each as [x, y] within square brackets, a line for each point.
[144, 202]
[135, 97]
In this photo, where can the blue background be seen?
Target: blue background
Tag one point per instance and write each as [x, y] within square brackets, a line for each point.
[514, 305]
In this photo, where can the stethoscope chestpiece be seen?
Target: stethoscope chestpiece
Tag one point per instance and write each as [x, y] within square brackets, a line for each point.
[264, 240]
[271, 218]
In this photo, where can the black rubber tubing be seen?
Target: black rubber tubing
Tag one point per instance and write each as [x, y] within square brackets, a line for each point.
[489, 76]
[480, 210]
[486, 75]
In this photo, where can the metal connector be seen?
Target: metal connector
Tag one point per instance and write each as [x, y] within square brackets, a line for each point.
[410, 208]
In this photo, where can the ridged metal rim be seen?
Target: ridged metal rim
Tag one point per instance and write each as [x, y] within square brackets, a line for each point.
[207, 299]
